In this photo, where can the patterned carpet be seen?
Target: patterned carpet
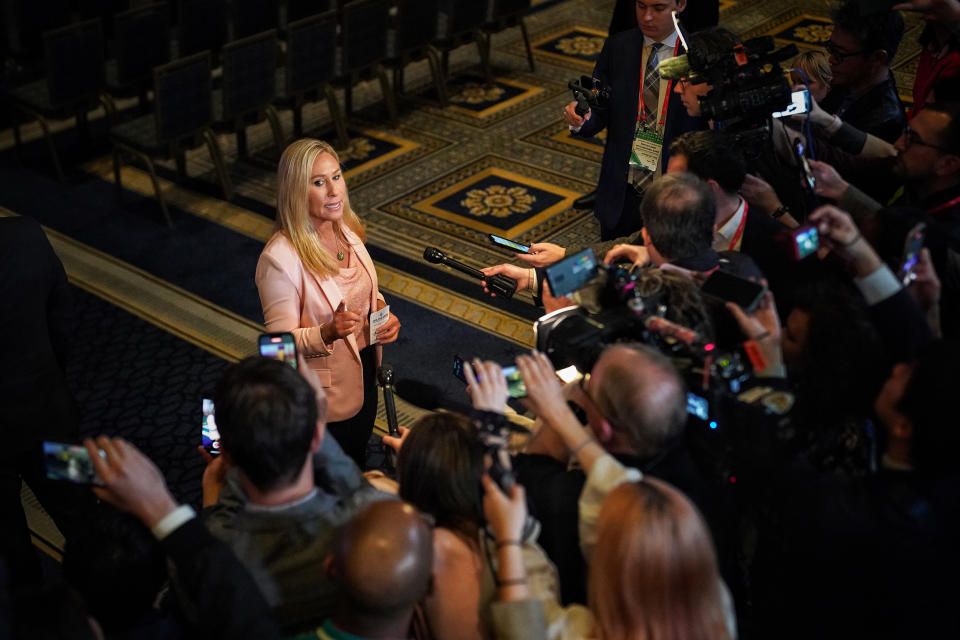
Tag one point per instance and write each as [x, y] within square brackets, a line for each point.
[161, 312]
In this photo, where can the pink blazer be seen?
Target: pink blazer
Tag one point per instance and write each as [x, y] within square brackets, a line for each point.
[298, 301]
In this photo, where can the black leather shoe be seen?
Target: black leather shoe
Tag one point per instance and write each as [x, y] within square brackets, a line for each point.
[586, 201]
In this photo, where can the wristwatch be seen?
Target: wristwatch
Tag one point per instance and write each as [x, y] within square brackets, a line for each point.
[781, 211]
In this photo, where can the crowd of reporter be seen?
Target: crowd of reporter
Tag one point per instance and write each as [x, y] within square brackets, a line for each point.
[827, 503]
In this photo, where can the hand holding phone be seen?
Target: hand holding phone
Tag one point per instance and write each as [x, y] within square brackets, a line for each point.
[505, 243]
[209, 434]
[727, 287]
[911, 253]
[805, 241]
[69, 463]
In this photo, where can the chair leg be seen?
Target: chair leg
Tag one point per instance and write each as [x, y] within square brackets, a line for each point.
[339, 122]
[526, 42]
[438, 80]
[298, 118]
[156, 190]
[16, 137]
[275, 127]
[217, 156]
[387, 91]
[241, 140]
[181, 159]
[48, 136]
[348, 95]
[117, 180]
[483, 46]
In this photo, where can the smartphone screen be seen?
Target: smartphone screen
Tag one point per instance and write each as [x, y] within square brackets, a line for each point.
[515, 386]
[569, 274]
[805, 166]
[279, 346]
[806, 241]
[209, 434]
[69, 462]
[730, 288]
[509, 244]
[911, 253]
[698, 406]
[799, 103]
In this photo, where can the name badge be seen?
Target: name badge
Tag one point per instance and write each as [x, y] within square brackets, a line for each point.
[647, 146]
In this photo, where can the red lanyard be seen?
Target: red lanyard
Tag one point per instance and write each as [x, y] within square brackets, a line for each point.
[945, 205]
[642, 112]
[739, 232]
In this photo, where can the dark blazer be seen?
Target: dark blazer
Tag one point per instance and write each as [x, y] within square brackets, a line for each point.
[619, 66]
[35, 403]
[878, 111]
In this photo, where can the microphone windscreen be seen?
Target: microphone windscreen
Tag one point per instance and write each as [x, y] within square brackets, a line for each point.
[674, 68]
[434, 255]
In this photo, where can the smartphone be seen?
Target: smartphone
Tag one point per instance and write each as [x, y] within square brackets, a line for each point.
[69, 462]
[911, 253]
[799, 103]
[698, 406]
[805, 241]
[504, 243]
[515, 386]
[569, 274]
[279, 346]
[805, 166]
[209, 434]
[730, 288]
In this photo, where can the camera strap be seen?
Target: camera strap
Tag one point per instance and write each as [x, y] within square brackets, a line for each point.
[945, 205]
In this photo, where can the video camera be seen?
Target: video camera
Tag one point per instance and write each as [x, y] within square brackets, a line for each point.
[588, 93]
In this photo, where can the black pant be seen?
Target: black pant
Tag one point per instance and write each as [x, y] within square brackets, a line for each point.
[630, 221]
[353, 434]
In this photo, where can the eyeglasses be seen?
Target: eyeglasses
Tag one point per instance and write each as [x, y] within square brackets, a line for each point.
[911, 138]
[683, 82]
[840, 56]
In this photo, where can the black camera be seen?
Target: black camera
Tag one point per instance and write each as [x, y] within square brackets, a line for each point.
[588, 93]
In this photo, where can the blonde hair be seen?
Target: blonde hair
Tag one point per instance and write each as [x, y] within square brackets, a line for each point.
[293, 206]
[653, 572]
[816, 64]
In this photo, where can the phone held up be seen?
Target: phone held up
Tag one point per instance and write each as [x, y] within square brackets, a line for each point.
[505, 243]
[727, 287]
[209, 434]
[911, 253]
[515, 386]
[69, 463]
[279, 346]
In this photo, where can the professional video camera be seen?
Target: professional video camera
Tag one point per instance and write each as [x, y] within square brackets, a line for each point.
[749, 85]
[715, 375]
[571, 336]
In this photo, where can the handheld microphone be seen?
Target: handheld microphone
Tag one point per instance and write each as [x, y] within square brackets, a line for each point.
[499, 284]
[385, 380]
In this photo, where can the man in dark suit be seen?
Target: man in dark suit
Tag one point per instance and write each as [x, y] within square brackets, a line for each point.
[35, 403]
[639, 101]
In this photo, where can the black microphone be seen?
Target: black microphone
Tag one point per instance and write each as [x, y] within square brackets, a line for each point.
[385, 380]
[499, 284]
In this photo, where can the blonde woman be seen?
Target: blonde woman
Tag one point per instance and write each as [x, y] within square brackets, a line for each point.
[317, 281]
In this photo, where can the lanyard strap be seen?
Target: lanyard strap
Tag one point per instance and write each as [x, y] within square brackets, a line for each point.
[739, 232]
[641, 111]
[945, 205]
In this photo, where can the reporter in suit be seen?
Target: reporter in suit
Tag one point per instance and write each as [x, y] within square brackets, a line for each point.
[621, 66]
[317, 281]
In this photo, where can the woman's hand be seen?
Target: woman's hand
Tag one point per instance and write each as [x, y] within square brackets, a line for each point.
[486, 385]
[544, 391]
[396, 442]
[762, 325]
[344, 323]
[505, 515]
[391, 330]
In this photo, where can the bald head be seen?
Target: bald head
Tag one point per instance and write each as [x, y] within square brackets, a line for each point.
[383, 559]
[641, 395]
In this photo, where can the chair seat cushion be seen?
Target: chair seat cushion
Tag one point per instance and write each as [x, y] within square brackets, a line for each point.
[35, 96]
[140, 134]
